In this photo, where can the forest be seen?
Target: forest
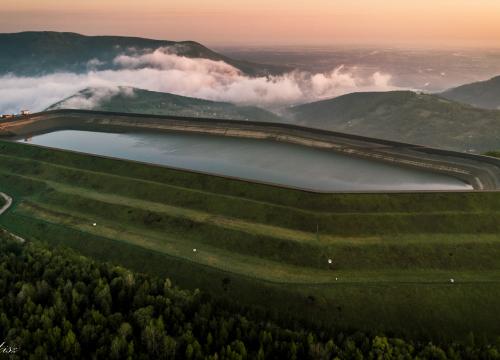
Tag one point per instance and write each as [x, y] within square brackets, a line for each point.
[56, 303]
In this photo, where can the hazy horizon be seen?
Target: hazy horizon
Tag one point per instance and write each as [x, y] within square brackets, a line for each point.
[327, 48]
[437, 24]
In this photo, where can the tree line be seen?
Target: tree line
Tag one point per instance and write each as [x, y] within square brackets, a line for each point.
[55, 303]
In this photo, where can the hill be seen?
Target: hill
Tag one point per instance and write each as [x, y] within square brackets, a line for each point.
[405, 116]
[133, 100]
[392, 255]
[483, 94]
[37, 53]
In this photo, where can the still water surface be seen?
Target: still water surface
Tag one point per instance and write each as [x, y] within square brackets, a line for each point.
[251, 159]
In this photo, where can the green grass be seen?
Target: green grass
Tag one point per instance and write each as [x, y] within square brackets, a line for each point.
[493, 154]
[393, 254]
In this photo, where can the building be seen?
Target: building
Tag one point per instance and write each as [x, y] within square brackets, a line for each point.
[7, 116]
[25, 112]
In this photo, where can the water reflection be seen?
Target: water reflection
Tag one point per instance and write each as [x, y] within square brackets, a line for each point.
[261, 160]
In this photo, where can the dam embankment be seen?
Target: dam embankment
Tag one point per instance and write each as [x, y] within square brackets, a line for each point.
[482, 173]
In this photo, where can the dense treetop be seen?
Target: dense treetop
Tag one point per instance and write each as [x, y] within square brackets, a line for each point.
[55, 303]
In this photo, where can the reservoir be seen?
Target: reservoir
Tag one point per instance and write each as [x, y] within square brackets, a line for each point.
[258, 160]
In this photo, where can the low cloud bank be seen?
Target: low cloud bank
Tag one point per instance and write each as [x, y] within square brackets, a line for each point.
[91, 99]
[163, 70]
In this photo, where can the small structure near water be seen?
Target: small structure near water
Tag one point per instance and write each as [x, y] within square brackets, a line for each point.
[23, 112]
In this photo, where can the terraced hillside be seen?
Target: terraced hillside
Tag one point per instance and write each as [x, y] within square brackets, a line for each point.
[392, 255]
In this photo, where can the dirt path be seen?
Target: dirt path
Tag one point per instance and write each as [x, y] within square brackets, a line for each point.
[8, 203]
[4, 208]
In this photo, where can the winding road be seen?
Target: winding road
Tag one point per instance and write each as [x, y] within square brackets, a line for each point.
[8, 203]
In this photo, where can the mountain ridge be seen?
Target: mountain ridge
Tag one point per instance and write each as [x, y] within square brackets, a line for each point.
[483, 94]
[405, 116]
[33, 53]
[135, 100]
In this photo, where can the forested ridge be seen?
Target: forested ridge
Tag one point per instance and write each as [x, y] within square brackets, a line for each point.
[56, 303]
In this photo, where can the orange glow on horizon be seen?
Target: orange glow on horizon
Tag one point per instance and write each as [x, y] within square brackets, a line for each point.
[259, 22]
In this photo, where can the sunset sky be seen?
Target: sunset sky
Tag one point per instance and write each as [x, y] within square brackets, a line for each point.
[268, 22]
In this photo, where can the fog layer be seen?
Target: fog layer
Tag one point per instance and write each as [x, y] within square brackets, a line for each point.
[163, 70]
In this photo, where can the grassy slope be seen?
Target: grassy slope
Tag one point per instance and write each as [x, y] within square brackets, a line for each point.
[492, 154]
[483, 94]
[406, 116]
[158, 103]
[393, 253]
